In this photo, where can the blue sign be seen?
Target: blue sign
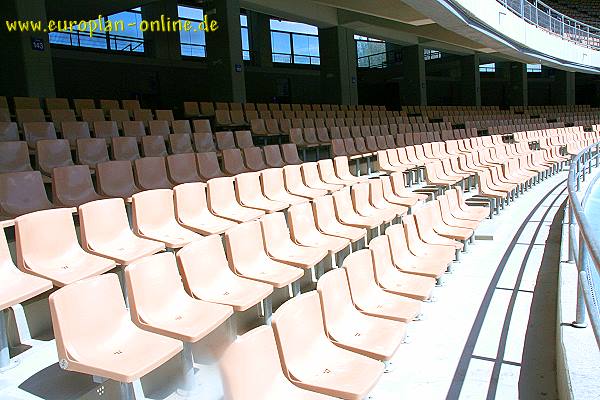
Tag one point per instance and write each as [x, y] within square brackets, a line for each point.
[238, 68]
[37, 44]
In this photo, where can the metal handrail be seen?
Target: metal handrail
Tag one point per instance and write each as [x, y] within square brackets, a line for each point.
[584, 248]
[545, 17]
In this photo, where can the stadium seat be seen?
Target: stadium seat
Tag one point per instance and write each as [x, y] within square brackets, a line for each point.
[247, 257]
[74, 130]
[225, 140]
[72, 186]
[327, 223]
[93, 311]
[378, 200]
[154, 218]
[124, 149]
[9, 132]
[207, 276]
[180, 143]
[14, 157]
[51, 154]
[254, 159]
[273, 157]
[347, 215]
[204, 142]
[56, 104]
[91, 152]
[35, 131]
[105, 130]
[115, 179]
[421, 248]
[191, 208]
[105, 232]
[182, 168]
[348, 328]
[296, 186]
[107, 105]
[311, 361]
[273, 187]
[47, 246]
[208, 166]
[22, 193]
[83, 104]
[290, 154]
[181, 127]
[312, 178]
[249, 194]
[154, 146]
[222, 201]
[92, 115]
[202, 126]
[361, 199]
[59, 117]
[151, 173]
[243, 139]
[233, 163]
[132, 128]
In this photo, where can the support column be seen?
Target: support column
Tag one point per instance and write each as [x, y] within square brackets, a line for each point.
[563, 88]
[414, 88]
[224, 52]
[338, 65]
[164, 45]
[516, 74]
[470, 90]
[26, 56]
[260, 37]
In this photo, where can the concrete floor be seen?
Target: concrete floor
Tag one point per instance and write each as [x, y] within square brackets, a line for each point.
[489, 335]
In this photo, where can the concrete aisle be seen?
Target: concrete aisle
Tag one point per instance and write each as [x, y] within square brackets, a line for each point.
[491, 333]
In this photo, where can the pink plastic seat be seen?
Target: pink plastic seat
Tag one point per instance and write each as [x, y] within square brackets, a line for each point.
[312, 178]
[392, 279]
[360, 198]
[427, 229]
[249, 194]
[14, 157]
[304, 231]
[369, 297]
[206, 275]
[182, 168]
[222, 201]
[327, 173]
[255, 353]
[296, 186]
[280, 246]
[311, 361]
[154, 218]
[348, 328]
[254, 158]
[105, 232]
[22, 193]
[35, 131]
[406, 261]
[16, 286]
[208, 166]
[327, 222]
[115, 179]
[273, 186]
[151, 173]
[342, 170]
[160, 304]
[47, 246]
[180, 143]
[421, 248]
[378, 200]
[273, 157]
[124, 149]
[248, 258]
[91, 152]
[233, 163]
[72, 186]
[290, 154]
[344, 210]
[154, 146]
[51, 154]
[192, 210]
[93, 311]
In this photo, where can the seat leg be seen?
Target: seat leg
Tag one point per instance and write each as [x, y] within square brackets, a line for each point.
[21, 322]
[267, 310]
[4, 351]
[190, 384]
[132, 391]
[295, 288]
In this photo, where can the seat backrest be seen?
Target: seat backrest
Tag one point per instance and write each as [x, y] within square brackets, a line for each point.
[221, 193]
[255, 352]
[336, 300]
[181, 126]
[180, 143]
[275, 231]
[14, 157]
[154, 146]
[182, 168]
[45, 237]
[202, 125]
[190, 200]
[361, 276]
[30, 115]
[125, 148]
[106, 130]
[27, 102]
[87, 312]
[244, 139]
[91, 115]
[72, 186]
[52, 153]
[204, 142]
[233, 162]
[22, 193]
[225, 140]
[133, 128]
[298, 326]
[102, 221]
[35, 131]
[159, 128]
[301, 221]
[164, 115]
[73, 130]
[273, 156]
[60, 116]
[152, 209]
[208, 166]
[244, 245]
[130, 105]
[254, 158]
[107, 105]
[290, 154]
[115, 179]
[9, 131]
[83, 104]
[191, 109]
[151, 173]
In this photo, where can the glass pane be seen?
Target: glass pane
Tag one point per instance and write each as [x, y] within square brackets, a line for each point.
[246, 55]
[243, 20]
[315, 61]
[282, 58]
[245, 41]
[280, 43]
[131, 22]
[301, 45]
[313, 43]
[295, 27]
[190, 13]
[301, 60]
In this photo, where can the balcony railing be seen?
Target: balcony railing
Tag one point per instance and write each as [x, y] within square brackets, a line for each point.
[584, 240]
[545, 17]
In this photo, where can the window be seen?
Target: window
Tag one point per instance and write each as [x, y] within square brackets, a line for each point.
[534, 67]
[370, 52]
[121, 33]
[245, 37]
[491, 67]
[294, 43]
[430, 54]
[193, 43]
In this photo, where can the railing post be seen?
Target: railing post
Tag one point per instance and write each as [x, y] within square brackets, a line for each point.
[580, 315]
[577, 173]
[590, 161]
[597, 155]
[571, 229]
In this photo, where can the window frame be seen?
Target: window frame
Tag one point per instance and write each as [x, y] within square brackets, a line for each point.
[312, 60]
[190, 45]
